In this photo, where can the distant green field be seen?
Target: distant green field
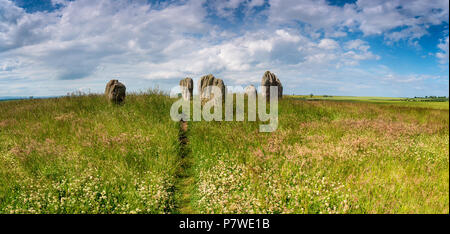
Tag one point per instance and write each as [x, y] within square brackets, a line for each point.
[378, 100]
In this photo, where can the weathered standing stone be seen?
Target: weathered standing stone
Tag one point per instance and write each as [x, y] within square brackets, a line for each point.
[115, 91]
[270, 79]
[205, 86]
[250, 90]
[187, 88]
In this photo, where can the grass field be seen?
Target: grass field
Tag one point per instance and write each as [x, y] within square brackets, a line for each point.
[325, 157]
[378, 100]
[82, 155]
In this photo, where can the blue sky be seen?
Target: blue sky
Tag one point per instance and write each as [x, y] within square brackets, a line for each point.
[393, 48]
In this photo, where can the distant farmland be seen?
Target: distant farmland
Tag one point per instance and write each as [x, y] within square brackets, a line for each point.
[81, 154]
[409, 102]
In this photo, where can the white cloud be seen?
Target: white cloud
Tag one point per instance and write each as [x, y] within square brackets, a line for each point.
[255, 3]
[84, 43]
[357, 44]
[443, 54]
[328, 44]
[73, 42]
[225, 8]
[397, 19]
[318, 14]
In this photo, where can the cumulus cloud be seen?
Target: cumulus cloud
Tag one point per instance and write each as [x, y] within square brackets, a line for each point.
[82, 43]
[86, 35]
[75, 40]
[255, 3]
[396, 20]
[328, 44]
[318, 14]
[226, 8]
[443, 54]
[357, 44]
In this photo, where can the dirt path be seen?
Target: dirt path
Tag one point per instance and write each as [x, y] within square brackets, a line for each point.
[185, 180]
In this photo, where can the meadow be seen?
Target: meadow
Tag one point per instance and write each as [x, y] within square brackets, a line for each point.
[80, 154]
[405, 102]
[325, 157]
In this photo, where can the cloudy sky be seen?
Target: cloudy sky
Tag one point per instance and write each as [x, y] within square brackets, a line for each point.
[366, 47]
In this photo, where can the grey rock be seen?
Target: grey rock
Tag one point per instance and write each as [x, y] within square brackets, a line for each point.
[115, 91]
[205, 86]
[187, 88]
[250, 90]
[270, 79]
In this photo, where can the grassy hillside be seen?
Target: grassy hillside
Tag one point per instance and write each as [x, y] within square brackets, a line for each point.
[325, 157]
[81, 154]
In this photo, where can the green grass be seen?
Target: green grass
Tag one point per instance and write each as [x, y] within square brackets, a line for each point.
[379, 100]
[325, 157]
[81, 154]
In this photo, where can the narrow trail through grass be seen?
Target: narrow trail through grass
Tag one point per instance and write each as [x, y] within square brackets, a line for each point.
[185, 180]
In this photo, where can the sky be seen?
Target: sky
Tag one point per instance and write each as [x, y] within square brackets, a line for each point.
[396, 48]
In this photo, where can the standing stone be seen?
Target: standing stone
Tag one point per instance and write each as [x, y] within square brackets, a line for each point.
[250, 90]
[270, 79]
[187, 88]
[115, 91]
[205, 86]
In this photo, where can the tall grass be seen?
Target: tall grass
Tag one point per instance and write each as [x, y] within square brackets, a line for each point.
[325, 157]
[81, 154]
